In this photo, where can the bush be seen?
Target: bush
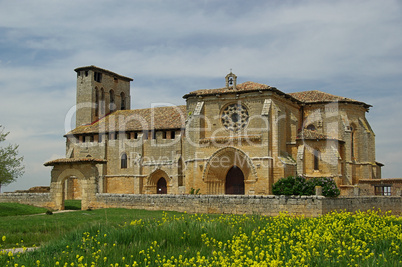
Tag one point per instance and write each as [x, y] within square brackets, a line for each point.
[292, 186]
[329, 188]
[302, 187]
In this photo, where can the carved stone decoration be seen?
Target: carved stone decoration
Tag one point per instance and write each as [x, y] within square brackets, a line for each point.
[235, 117]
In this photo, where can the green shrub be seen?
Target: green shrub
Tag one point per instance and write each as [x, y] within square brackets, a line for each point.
[301, 186]
[329, 188]
[292, 186]
[194, 192]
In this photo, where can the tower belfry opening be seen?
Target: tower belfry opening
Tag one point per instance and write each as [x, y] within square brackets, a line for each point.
[231, 80]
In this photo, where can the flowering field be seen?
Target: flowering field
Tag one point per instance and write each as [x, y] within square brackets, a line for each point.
[337, 239]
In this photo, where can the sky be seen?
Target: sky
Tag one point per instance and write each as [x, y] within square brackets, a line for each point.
[347, 48]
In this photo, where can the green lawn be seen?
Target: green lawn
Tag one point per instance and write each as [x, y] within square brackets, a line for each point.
[72, 204]
[12, 209]
[39, 229]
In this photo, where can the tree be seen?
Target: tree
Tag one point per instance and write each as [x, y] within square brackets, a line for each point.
[11, 166]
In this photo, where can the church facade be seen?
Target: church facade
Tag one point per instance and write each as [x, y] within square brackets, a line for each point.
[237, 139]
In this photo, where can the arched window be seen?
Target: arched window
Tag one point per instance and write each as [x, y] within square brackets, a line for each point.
[316, 159]
[353, 141]
[123, 101]
[112, 105]
[96, 103]
[102, 102]
[124, 161]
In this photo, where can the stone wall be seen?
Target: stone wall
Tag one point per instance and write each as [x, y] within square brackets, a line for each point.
[310, 206]
[363, 203]
[34, 199]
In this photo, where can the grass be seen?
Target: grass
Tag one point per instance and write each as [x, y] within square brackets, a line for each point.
[36, 230]
[119, 237]
[13, 209]
[72, 204]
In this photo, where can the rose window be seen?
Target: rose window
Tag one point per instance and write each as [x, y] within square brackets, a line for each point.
[235, 117]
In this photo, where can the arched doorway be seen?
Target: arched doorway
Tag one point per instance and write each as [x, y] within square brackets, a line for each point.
[218, 168]
[84, 169]
[161, 186]
[234, 183]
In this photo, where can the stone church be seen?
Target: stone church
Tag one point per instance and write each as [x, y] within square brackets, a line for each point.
[237, 139]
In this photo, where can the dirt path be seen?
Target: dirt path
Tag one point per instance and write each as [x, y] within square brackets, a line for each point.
[18, 250]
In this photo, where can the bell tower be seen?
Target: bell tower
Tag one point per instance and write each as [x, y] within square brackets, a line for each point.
[99, 93]
[231, 80]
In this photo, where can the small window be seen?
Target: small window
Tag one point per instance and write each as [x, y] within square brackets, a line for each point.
[153, 134]
[164, 134]
[116, 136]
[86, 73]
[124, 161]
[91, 138]
[78, 73]
[382, 190]
[98, 77]
[115, 80]
[135, 135]
[172, 134]
[100, 138]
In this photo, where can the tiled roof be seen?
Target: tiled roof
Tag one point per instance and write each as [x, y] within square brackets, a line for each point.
[381, 181]
[315, 96]
[242, 87]
[172, 117]
[309, 134]
[92, 67]
[74, 160]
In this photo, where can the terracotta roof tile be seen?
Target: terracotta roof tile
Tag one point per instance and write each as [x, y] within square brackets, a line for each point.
[316, 96]
[74, 160]
[172, 117]
[246, 86]
[381, 181]
[92, 67]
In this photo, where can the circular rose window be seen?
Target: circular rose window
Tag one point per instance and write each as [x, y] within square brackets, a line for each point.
[235, 117]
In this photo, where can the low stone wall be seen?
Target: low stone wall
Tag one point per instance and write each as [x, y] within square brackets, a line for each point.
[363, 203]
[264, 205]
[310, 206]
[34, 199]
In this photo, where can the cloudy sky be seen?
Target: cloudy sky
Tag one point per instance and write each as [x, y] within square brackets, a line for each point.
[348, 48]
